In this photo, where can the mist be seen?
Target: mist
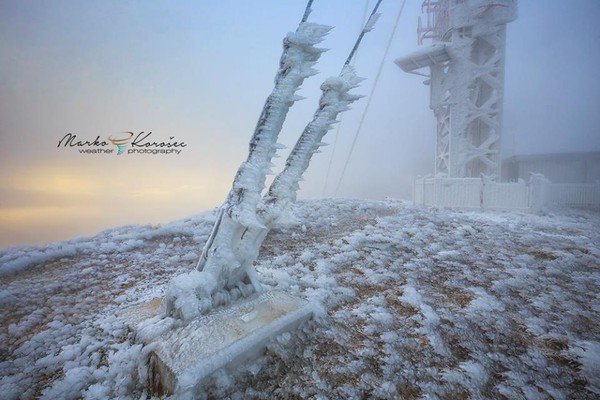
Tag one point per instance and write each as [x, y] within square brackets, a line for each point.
[199, 72]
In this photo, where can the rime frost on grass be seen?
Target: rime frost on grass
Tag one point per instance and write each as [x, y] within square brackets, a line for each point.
[415, 303]
[59, 334]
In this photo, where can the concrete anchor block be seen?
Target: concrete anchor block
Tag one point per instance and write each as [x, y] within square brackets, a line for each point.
[182, 357]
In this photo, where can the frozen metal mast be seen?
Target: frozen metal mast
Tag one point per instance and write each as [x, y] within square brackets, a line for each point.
[466, 76]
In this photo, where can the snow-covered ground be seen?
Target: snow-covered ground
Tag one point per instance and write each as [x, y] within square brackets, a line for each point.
[418, 303]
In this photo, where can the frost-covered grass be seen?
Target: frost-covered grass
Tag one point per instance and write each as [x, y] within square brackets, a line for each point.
[418, 303]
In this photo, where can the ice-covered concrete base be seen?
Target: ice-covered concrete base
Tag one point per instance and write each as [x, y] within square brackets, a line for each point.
[182, 357]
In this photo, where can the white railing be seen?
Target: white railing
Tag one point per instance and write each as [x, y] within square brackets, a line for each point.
[572, 194]
[483, 194]
[506, 196]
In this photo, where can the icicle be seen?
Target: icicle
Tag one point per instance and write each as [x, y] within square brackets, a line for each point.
[298, 98]
[371, 22]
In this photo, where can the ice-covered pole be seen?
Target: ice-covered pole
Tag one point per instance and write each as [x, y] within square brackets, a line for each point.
[297, 61]
[335, 98]
[222, 271]
[225, 270]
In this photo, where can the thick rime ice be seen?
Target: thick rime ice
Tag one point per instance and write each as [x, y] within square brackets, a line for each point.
[296, 64]
[371, 22]
[335, 99]
[416, 303]
[225, 266]
[466, 63]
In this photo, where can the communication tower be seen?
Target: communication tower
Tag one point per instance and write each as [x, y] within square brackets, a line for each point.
[466, 77]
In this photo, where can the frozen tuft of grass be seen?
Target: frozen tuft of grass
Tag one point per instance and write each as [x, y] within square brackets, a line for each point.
[415, 303]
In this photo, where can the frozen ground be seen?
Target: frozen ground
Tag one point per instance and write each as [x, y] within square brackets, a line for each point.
[418, 303]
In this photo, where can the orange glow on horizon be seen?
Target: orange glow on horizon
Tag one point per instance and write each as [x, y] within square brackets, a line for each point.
[50, 204]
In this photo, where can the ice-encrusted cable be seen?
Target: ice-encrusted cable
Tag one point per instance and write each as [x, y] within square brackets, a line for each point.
[375, 82]
[334, 100]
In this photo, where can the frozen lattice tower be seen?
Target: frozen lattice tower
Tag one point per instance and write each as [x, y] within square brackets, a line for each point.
[466, 65]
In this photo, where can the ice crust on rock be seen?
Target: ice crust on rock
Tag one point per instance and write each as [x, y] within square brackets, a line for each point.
[225, 338]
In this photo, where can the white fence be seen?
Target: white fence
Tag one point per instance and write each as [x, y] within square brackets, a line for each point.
[481, 194]
[506, 196]
[572, 194]
[464, 193]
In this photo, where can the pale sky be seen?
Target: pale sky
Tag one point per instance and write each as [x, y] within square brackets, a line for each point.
[199, 72]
